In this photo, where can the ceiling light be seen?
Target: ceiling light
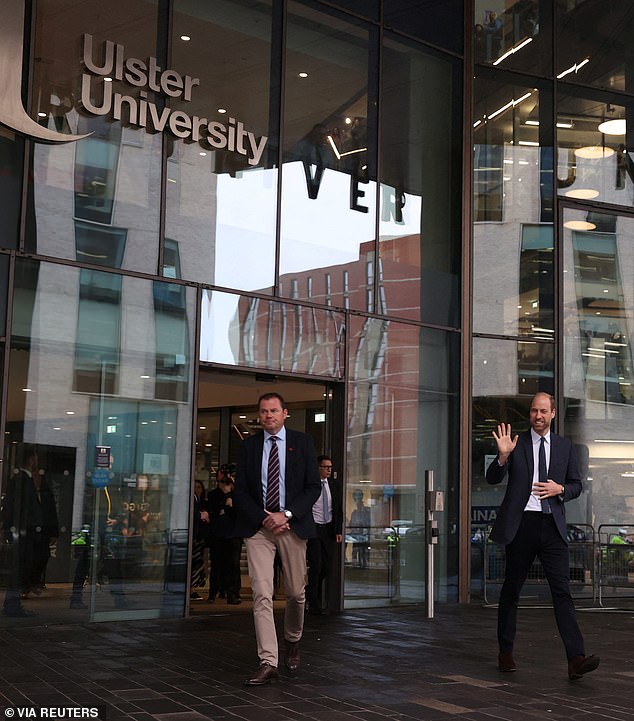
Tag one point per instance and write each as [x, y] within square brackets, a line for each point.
[185, 38]
[510, 104]
[582, 193]
[222, 110]
[107, 80]
[27, 390]
[561, 124]
[202, 153]
[532, 143]
[532, 122]
[593, 152]
[513, 50]
[573, 68]
[42, 115]
[579, 225]
[303, 75]
[613, 127]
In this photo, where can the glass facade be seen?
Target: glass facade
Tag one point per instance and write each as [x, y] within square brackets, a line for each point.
[203, 199]
[229, 195]
[552, 256]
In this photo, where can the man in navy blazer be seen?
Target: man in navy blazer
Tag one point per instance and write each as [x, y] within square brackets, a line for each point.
[542, 474]
[282, 527]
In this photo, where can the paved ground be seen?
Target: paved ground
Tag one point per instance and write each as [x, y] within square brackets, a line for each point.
[368, 665]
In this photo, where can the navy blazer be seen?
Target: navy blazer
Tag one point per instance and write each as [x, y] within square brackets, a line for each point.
[302, 484]
[518, 469]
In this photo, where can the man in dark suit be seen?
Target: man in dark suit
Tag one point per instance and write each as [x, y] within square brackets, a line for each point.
[277, 483]
[543, 474]
[321, 550]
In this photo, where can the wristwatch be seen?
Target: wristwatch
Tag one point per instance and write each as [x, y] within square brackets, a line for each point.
[288, 514]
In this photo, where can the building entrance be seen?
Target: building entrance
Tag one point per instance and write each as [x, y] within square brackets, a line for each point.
[227, 414]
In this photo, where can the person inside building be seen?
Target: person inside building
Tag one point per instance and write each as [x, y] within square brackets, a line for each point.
[226, 549]
[542, 474]
[200, 532]
[29, 519]
[321, 551]
[277, 483]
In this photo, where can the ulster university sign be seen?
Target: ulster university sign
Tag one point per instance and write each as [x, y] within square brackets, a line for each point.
[100, 69]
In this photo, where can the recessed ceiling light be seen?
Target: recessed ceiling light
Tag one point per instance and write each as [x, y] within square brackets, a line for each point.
[303, 75]
[582, 193]
[145, 377]
[70, 413]
[42, 115]
[202, 153]
[579, 225]
[107, 80]
[613, 127]
[185, 38]
[593, 152]
[222, 110]
[28, 390]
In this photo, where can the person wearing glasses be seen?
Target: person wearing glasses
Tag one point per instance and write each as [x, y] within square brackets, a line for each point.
[321, 550]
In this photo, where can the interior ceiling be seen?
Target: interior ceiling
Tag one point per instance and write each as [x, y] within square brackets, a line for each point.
[217, 389]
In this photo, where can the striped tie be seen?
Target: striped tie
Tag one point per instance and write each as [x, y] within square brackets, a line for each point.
[273, 478]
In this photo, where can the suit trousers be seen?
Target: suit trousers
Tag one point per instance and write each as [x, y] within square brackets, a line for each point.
[538, 537]
[261, 550]
[320, 553]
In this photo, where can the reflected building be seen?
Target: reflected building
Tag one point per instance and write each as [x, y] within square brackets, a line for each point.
[407, 217]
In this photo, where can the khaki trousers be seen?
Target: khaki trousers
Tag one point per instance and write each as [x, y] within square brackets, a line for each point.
[261, 556]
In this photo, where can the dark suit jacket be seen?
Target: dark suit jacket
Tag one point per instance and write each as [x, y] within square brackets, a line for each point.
[518, 470]
[302, 483]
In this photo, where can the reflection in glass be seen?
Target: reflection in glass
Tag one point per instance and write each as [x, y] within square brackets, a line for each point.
[593, 43]
[222, 189]
[97, 359]
[11, 150]
[329, 173]
[259, 333]
[401, 421]
[517, 38]
[418, 235]
[592, 160]
[598, 321]
[513, 214]
[111, 179]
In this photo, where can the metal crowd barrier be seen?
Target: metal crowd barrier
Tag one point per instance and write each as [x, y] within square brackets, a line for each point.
[615, 559]
[582, 544]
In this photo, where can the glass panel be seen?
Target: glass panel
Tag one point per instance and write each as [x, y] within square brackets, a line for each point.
[96, 200]
[329, 174]
[593, 42]
[592, 160]
[11, 159]
[367, 8]
[439, 22]
[513, 213]
[123, 511]
[506, 375]
[419, 258]
[402, 419]
[258, 333]
[4, 289]
[222, 189]
[514, 35]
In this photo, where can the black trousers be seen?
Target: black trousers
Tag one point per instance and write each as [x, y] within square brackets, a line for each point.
[538, 537]
[320, 552]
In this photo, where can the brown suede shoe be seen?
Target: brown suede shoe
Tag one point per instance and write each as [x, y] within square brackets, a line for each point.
[292, 655]
[265, 674]
[578, 665]
[506, 662]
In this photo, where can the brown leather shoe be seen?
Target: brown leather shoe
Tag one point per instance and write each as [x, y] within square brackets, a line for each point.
[578, 665]
[291, 659]
[506, 662]
[265, 674]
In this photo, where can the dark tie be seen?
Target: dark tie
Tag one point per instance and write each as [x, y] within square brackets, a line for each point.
[543, 474]
[324, 500]
[273, 478]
